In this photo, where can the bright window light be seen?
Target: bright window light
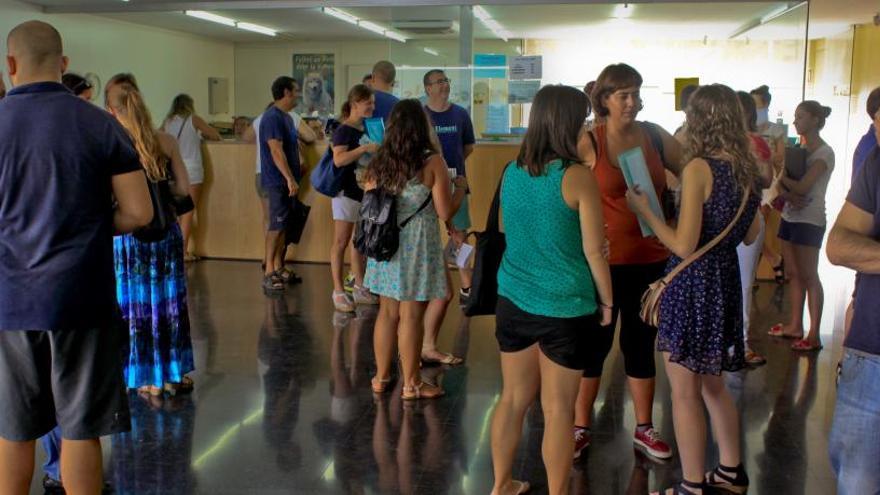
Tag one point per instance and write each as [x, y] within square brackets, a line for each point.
[344, 16]
[207, 16]
[256, 28]
[623, 11]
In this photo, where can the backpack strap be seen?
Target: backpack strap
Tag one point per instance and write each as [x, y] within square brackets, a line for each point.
[424, 205]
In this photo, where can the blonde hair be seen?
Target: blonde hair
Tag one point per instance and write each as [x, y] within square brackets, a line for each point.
[132, 113]
[716, 128]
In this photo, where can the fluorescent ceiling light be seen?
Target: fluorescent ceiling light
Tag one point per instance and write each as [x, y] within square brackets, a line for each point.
[207, 16]
[781, 11]
[431, 51]
[344, 16]
[395, 36]
[481, 14]
[372, 26]
[623, 11]
[256, 28]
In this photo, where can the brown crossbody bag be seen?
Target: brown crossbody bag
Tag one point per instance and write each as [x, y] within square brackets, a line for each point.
[650, 312]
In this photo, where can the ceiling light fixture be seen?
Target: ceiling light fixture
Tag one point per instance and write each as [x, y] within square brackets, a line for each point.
[395, 36]
[372, 26]
[343, 16]
[207, 16]
[431, 51]
[256, 28]
[773, 15]
[490, 23]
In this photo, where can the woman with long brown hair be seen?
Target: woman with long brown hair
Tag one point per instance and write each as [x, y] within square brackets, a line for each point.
[150, 278]
[410, 165]
[700, 331]
[189, 129]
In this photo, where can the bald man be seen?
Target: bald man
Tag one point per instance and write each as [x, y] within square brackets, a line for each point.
[62, 163]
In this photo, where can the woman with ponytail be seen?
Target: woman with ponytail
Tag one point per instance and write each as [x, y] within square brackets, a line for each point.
[803, 227]
[348, 150]
[189, 129]
[150, 278]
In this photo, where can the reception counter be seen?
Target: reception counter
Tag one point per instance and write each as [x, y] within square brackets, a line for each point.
[230, 220]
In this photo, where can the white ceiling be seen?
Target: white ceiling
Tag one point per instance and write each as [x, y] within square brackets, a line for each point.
[301, 19]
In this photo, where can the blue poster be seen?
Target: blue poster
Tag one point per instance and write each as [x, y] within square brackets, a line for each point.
[490, 66]
[498, 119]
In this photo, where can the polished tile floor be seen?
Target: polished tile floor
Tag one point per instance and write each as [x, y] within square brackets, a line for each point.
[282, 405]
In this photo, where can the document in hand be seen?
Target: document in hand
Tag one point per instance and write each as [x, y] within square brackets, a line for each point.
[375, 127]
[635, 173]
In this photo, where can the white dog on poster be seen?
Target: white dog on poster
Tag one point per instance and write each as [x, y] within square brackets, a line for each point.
[315, 95]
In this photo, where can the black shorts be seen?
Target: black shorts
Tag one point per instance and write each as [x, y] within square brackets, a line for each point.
[562, 340]
[279, 207]
[72, 379]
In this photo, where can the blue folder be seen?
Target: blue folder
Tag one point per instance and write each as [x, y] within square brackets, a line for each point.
[635, 173]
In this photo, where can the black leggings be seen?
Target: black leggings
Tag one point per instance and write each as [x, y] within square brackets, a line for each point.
[637, 339]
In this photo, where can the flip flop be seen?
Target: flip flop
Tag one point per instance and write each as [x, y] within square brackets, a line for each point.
[447, 359]
[776, 331]
[804, 345]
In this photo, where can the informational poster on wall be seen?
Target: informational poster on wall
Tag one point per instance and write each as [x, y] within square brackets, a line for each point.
[497, 119]
[490, 66]
[522, 91]
[526, 67]
[316, 73]
[680, 84]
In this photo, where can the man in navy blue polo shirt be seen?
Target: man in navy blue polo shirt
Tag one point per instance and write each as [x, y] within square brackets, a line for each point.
[382, 84]
[280, 174]
[456, 134]
[62, 163]
[854, 242]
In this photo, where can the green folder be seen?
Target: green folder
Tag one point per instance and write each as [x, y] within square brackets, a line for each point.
[635, 173]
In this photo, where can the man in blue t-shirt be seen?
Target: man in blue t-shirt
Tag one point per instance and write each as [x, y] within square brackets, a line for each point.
[63, 161]
[280, 174]
[456, 134]
[854, 242]
[382, 83]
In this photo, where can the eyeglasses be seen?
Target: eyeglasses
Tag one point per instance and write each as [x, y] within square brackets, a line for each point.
[440, 81]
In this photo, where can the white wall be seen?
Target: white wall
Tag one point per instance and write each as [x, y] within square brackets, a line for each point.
[165, 62]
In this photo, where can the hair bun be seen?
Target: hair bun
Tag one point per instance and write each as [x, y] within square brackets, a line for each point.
[764, 88]
[826, 111]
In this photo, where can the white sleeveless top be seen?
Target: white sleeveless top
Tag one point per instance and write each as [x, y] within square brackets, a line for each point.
[189, 140]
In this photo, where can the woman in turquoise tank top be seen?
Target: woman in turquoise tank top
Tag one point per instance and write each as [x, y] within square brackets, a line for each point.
[554, 285]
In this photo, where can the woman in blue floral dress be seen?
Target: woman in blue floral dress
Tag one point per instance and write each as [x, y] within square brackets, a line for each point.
[700, 331]
[410, 164]
[150, 278]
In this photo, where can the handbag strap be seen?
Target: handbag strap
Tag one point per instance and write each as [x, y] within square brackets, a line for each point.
[182, 126]
[714, 242]
[424, 205]
[492, 220]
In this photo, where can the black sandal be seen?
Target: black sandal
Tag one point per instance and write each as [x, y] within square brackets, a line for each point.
[720, 479]
[273, 283]
[779, 272]
[684, 487]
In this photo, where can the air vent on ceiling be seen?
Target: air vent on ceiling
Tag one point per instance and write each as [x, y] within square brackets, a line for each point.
[425, 27]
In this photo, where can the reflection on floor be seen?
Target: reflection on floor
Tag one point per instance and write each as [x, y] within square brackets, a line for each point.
[282, 405]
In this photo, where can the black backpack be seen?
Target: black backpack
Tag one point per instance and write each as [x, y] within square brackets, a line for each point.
[378, 234]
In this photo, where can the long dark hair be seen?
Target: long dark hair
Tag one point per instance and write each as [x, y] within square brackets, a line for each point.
[409, 139]
[357, 93]
[750, 111]
[557, 117]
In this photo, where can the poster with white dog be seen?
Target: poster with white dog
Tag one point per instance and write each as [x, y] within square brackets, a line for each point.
[316, 75]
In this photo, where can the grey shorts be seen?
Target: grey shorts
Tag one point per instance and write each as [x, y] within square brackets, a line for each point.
[72, 379]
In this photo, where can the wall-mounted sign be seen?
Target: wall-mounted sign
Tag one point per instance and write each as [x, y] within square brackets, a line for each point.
[526, 67]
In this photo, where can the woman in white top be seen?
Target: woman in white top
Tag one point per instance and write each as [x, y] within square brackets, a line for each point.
[189, 129]
[803, 227]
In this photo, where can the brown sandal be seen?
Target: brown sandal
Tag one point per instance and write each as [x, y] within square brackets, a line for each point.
[379, 385]
[422, 391]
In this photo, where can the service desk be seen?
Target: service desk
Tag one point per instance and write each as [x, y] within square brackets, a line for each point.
[230, 221]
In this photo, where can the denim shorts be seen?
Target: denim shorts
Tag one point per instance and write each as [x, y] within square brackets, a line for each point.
[854, 442]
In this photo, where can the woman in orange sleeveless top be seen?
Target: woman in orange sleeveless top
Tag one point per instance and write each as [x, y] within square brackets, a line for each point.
[636, 261]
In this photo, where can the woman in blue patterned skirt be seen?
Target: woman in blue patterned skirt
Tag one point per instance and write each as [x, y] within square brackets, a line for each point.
[150, 279]
[700, 331]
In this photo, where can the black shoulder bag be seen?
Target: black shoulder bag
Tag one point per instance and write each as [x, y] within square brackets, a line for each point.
[490, 246]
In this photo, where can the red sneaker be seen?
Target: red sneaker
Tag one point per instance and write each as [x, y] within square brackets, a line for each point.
[653, 445]
[581, 441]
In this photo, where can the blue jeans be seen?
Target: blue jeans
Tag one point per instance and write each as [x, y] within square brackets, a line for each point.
[854, 444]
[52, 445]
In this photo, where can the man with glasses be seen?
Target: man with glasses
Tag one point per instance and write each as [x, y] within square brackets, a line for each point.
[456, 133]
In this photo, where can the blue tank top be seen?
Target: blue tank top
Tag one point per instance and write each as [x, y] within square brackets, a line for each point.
[543, 271]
